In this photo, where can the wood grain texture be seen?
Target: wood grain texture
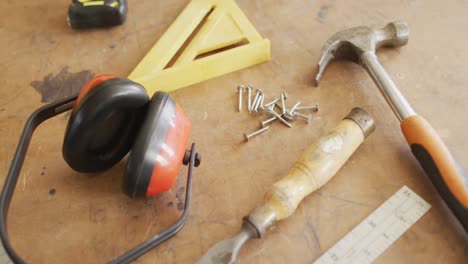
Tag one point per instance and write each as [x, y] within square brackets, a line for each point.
[315, 167]
[88, 219]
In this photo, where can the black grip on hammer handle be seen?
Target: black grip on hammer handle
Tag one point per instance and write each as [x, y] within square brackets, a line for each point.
[440, 166]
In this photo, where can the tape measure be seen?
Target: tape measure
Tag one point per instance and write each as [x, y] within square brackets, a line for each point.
[379, 230]
[96, 13]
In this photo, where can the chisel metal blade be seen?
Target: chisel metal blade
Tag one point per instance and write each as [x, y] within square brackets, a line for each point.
[226, 251]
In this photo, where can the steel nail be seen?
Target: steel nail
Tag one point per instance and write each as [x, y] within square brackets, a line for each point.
[241, 90]
[283, 106]
[291, 111]
[272, 102]
[314, 108]
[307, 118]
[257, 94]
[257, 104]
[285, 95]
[266, 122]
[247, 137]
[280, 118]
[289, 117]
[249, 95]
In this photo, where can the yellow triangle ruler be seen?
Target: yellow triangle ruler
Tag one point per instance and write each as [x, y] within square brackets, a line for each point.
[208, 39]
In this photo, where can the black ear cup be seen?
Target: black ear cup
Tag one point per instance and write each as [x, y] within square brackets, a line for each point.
[104, 124]
[148, 144]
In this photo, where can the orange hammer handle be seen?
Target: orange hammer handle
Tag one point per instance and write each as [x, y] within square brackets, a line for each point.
[440, 166]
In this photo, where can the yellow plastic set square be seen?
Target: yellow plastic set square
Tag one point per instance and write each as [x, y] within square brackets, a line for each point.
[208, 39]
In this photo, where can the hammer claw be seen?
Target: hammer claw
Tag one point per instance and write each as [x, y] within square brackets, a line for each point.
[325, 58]
[352, 43]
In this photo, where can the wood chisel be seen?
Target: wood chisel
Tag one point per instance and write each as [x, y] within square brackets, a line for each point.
[313, 169]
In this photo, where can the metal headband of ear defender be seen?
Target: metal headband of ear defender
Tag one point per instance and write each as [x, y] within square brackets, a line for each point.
[191, 158]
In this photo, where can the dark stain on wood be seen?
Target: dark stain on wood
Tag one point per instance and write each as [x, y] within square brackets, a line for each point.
[180, 206]
[179, 196]
[180, 193]
[65, 83]
[97, 214]
[322, 13]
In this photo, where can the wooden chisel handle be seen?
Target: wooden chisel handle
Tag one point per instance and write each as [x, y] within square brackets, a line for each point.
[313, 169]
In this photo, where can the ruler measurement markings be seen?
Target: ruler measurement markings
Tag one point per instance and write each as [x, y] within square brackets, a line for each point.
[379, 230]
[362, 248]
[389, 216]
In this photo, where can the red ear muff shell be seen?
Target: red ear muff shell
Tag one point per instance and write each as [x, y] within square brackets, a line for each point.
[172, 153]
[104, 123]
[157, 155]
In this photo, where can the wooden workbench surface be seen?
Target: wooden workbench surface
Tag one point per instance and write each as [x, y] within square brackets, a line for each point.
[61, 216]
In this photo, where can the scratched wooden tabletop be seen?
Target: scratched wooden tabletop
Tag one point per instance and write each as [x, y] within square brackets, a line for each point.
[61, 216]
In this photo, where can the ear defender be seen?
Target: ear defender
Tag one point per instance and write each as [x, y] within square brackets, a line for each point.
[109, 117]
[157, 155]
[113, 115]
[104, 123]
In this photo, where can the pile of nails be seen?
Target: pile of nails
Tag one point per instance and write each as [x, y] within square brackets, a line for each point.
[285, 115]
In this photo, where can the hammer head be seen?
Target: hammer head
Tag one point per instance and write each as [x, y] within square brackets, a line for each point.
[353, 42]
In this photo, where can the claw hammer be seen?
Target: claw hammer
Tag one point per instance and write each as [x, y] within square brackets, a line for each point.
[359, 44]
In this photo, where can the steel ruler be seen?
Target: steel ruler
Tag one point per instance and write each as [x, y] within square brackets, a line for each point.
[379, 230]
